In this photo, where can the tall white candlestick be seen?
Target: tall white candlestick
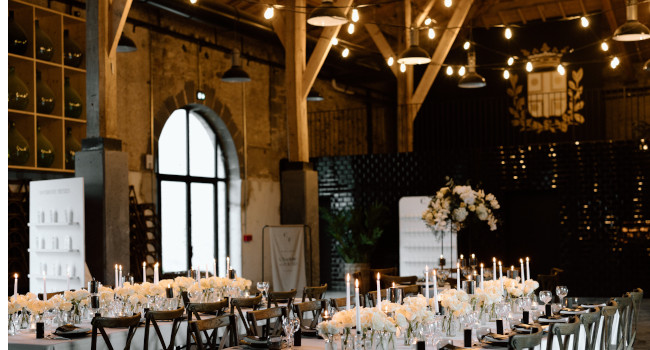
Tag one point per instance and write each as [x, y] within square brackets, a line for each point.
[227, 264]
[500, 270]
[481, 275]
[347, 291]
[523, 272]
[358, 304]
[494, 269]
[198, 273]
[44, 287]
[144, 271]
[15, 285]
[206, 271]
[426, 282]
[527, 268]
[214, 268]
[378, 290]
[458, 286]
[116, 277]
[120, 278]
[155, 273]
[435, 290]
[68, 280]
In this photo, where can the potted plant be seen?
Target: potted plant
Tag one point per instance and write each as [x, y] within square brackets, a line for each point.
[355, 233]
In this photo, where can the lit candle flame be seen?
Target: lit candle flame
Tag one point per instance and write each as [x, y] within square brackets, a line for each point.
[347, 277]
[356, 283]
[378, 276]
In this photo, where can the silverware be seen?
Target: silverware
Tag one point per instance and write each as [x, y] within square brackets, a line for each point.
[52, 336]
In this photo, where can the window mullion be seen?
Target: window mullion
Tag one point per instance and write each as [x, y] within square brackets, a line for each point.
[188, 193]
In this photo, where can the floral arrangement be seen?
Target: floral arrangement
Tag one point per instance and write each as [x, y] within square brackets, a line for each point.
[456, 301]
[453, 205]
[38, 307]
[516, 289]
[329, 328]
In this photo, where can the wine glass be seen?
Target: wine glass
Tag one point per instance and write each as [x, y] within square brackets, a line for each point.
[545, 296]
[288, 327]
[561, 292]
[263, 287]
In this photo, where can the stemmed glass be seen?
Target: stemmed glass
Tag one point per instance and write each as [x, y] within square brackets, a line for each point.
[561, 292]
[433, 330]
[263, 287]
[290, 326]
[545, 296]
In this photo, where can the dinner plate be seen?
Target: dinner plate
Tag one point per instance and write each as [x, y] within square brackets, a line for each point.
[575, 311]
[497, 338]
[593, 306]
[77, 332]
[553, 319]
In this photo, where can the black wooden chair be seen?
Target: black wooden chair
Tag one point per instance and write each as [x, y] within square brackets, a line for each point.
[152, 318]
[273, 318]
[238, 304]
[314, 293]
[99, 323]
[213, 342]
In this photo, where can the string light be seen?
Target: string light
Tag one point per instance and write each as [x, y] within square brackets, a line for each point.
[466, 45]
[402, 67]
[351, 28]
[529, 67]
[427, 21]
[511, 61]
[508, 33]
[615, 62]
[461, 71]
[560, 69]
[432, 33]
[391, 60]
[346, 52]
[268, 14]
[604, 46]
[450, 71]
[335, 41]
[584, 22]
[355, 15]
[506, 74]
[447, 3]
[193, 2]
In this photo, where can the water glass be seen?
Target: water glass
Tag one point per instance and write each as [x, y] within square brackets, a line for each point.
[561, 292]
[545, 296]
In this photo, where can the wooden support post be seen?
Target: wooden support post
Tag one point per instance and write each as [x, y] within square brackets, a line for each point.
[295, 51]
[405, 91]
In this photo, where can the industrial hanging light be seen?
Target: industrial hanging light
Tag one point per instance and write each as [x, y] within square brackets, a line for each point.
[327, 15]
[414, 54]
[125, 44]
[471, 80]
[236, 74]
[314, 96]
[632, 30]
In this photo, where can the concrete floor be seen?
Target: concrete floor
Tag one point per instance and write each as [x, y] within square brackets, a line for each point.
[643, 327]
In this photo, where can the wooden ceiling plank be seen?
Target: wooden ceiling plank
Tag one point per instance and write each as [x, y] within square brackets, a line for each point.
[419, 20]
[278, 28]
[559, 4]
[503, 21]
[521, 15]
[321, 50]
[442, 50]
[382, 44]
[119, 10]
[582, 6]
[540, 9]
[609, 13]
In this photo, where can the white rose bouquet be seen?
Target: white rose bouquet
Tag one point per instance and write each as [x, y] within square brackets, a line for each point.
[454, 204]
[530, 286]
[328, 329]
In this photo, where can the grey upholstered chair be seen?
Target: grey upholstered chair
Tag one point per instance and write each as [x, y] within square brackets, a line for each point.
[590, 322]
[526, 341]
[566, 335]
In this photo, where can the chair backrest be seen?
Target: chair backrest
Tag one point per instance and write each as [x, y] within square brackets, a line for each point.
[367, 277]
[526, 341]
[277, 313]
[237, 304]
[195, 309]
[624, 307]
[564, 334]
[590, 322]
[213, 342]
[548, 282]
[387, 280]
[636, 296]
[608, 313]
[49, 295]
[315, 307]
[152, 318]
[277, 297]
[339, 303]
[411, 290]
[314, 293]
[99, 323]
[372, 297]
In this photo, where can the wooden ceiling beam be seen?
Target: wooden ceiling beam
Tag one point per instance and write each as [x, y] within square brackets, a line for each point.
[119, 11]
[521, 15]
[559, 4]
[419, 20]
[321, 50]
[540, 9]
[442, 50]
[278, 24]
[382, 44]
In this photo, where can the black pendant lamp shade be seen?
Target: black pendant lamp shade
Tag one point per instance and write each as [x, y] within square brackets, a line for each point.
[632, 30]
[414, 54]
[471, 80]
[327, 15]
[236, 74]
[125, 44]
[314, 96]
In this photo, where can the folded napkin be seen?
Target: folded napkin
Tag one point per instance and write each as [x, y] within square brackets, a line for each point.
[574, 311]
[495, 337]
[554, 318]
[66, 328]
[593, 306]
[454, 347]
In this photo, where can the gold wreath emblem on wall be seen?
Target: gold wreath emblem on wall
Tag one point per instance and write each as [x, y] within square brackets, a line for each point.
[521, 117]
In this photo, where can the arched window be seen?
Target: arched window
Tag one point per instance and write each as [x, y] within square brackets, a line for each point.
[193, 193]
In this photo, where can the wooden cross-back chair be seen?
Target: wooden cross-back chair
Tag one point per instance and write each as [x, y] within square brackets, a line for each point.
[566, 334]
[372, 297]
[152, 318]
[409, 291]
[315, 307]
[590, 322]
[608, 313]
[195, 309]
[339, 303]
[99, 323]
[49, 295]
[636, 296]
[199, 327]
[526, 341]
[314, 293]
[387, 280]
[238, 304]
[277, 297]
[271, 328]
[624, 308]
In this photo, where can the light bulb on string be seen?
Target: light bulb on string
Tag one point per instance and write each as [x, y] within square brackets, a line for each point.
[193, 2]
[427, 21]
[560, 69]
[402, 67]
[466, 45]
[355, 15]
[351, 28]
[268, 14]
[584, 22]
[335, 41]
[432, 33]
[615, 62]
[529, 67]
[511, 61]
[461, 71]
[390, 61]
[508, 33]
[346, 52]
[604, 46]
[447, 3]
[450, 71]
[506, 74]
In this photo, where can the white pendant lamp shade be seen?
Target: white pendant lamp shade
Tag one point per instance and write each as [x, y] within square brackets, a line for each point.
[327, 15]
[414, 54]
[236, 74]
[632, 30]
[471, 80]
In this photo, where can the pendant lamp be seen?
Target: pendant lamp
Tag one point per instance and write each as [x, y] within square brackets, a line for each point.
[414, 54]
[471, 80]
[632, 30]
[327, 15]
[236, 74]
[125, 44]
